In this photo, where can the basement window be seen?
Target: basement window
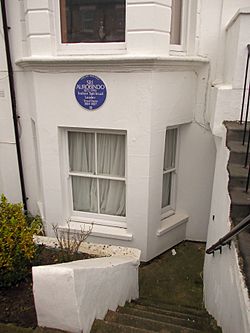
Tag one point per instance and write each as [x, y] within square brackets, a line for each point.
[169, 173]
[92, 21]
[97, 174]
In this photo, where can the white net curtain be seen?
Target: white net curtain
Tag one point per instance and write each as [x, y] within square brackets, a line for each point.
[168, 166]
[99, 161]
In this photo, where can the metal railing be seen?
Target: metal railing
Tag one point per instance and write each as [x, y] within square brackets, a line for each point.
[226, 240]
[245, 109]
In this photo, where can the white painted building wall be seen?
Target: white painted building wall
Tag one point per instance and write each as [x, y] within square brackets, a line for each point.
[9, 175]
[225, 293]
[150, 87]
[148, 90]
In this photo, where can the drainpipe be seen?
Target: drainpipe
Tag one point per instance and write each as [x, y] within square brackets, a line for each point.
[13, 103]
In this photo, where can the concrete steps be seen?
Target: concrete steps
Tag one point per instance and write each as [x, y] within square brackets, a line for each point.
[240, 199]
[150, 316]
[171, 297]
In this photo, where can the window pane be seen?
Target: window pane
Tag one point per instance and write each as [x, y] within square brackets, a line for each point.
[176, 20]
[166, 190]
[112, 197]
[111, 154]
[92, 21]
[84, 194]
[170, 149]
[81, 152]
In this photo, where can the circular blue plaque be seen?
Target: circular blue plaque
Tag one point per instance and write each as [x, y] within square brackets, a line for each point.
[90, 92]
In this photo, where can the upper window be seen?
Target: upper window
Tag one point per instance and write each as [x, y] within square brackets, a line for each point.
[97, 172]
[169, 172]
[92, 21]
[176, 22]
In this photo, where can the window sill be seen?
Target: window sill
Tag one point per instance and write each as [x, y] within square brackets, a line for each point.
[110, 61]
[171, 223]
[102, 231]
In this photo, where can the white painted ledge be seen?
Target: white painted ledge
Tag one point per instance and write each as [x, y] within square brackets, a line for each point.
[102, 231]
[102, 250]
[70, 296]
[241, 11]
[172, 222]
[115, 62]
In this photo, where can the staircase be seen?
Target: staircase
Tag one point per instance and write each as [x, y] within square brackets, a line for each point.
[170, 300]
[240, 199]
[146, 316]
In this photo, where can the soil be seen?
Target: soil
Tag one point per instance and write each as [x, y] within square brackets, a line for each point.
[17, 302]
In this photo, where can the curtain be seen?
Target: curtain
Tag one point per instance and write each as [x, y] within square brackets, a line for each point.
[110, 162]
[84, 192]
[166, 189]
[81, 152]
[170, 149]
[111, 154]
[169, 163]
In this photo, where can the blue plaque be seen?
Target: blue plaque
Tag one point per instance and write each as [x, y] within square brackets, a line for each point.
[90, 92]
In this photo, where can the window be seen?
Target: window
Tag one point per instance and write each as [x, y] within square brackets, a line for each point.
[97, 172]
[176, 23]
[169, 172]
[92, 21]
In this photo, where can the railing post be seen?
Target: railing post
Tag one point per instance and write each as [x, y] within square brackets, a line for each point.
[245, 84]
[246, 117]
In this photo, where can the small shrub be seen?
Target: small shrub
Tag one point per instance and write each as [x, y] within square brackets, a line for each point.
[69, 241]
[17, 248]
[36, 224]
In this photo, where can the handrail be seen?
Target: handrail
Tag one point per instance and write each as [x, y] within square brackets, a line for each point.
[226, 240]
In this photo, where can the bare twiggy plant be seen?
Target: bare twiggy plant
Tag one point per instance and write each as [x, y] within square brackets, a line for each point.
[69, 241]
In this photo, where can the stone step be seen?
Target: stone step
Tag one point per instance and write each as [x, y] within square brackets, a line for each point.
[240, 203]
[103, 326]
[148, 324]
[240, 197]
[237, 152]
[235, 130]
[177, 308]
[238, 175]
[146, 312]
[167, 312]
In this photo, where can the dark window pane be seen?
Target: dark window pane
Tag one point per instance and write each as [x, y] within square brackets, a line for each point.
[92, 21]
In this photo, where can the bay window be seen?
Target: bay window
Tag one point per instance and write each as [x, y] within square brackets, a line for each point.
[92, 21]
[97, 172]
[169, 172]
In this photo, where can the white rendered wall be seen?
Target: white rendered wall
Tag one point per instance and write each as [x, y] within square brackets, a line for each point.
[225, 293]
[9, 175]
[144, 97]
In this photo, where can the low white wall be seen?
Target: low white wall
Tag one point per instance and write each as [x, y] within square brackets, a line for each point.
[70, 296]
[225, 293]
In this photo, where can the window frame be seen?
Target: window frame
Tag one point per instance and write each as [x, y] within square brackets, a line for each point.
[86, 48]
[89, 217]
[171, 208]
[182, 47]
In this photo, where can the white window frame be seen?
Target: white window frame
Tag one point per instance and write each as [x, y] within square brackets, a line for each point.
[170, 209]
[88, 217]
[176, 48]
[86, 48]
[189, 33]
